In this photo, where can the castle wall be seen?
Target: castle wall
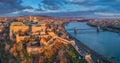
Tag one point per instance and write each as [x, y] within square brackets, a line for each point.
[17, 28]
[38, 28]
[20, 38]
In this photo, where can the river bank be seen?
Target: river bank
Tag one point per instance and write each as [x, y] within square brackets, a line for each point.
[85, 49]
[110, 25]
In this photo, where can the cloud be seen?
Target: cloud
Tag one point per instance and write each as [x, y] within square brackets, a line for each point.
[67, 5]
[107, 14]
[8, 6]
[61, 7]
[52, 4]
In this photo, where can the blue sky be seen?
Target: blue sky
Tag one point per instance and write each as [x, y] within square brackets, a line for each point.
[61, 8]
[33, 3]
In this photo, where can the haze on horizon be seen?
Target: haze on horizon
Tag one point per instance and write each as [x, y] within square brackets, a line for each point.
[64, 8]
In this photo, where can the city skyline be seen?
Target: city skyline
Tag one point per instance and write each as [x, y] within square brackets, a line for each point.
[61, 8]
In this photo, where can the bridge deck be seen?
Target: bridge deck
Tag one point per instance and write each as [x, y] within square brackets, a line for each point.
[84, 29]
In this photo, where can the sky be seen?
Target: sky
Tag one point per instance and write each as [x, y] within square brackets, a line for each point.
[61, 8]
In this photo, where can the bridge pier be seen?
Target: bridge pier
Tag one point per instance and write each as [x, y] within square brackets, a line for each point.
[75, 30]
[98, 29]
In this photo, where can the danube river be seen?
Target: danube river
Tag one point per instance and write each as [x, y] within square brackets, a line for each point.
[105, 43]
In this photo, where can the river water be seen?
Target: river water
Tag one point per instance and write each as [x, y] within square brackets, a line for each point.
[105, 43]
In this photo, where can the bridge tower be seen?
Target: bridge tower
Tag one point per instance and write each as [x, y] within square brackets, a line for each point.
[75, 30]
[98, 29]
